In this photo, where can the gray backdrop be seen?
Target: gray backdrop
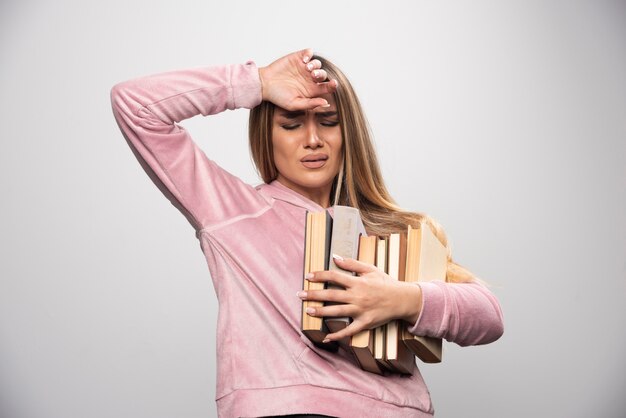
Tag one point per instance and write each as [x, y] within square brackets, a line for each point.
[503, 120]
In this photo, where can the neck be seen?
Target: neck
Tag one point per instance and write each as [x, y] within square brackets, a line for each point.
[319, 195]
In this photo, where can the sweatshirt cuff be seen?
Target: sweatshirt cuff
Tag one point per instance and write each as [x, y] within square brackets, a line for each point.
[433, 303]
[246, 85]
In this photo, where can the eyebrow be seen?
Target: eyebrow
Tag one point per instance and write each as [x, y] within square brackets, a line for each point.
[298, 113]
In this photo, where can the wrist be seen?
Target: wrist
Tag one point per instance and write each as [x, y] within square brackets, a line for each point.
[411, 302]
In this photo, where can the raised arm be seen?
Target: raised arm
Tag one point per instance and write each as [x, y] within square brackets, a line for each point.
[147, 110]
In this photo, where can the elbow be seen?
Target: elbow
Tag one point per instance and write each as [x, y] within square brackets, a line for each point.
[124, 103]
[486, 327]
[490, 331]
[493, 326]
[115, 92]
[497, 322]
[496, 329]
[116, 95]
[493, 321]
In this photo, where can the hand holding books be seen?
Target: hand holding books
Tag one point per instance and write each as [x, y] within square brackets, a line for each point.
[371, 298]
[365, 313]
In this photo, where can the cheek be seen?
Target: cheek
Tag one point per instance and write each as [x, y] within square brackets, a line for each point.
[279, 161]
[278, 147]
[280, 153]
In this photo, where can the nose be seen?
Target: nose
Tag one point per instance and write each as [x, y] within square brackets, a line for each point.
[313, 140]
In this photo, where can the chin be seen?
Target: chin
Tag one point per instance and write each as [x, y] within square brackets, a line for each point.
[311, 180]
[317, 183]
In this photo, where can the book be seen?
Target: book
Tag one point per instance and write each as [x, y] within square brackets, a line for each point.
[362, 343]
[427, 260]
[316, 256]
[397, 354]
[346, 230]
[380, 331]
[414, 256]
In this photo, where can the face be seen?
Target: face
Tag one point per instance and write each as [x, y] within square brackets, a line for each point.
[308, 150]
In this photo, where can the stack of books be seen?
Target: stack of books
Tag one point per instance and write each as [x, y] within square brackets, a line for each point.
[413, 255]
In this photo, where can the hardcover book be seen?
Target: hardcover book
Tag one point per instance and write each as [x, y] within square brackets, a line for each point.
[397, 354]
[316, 254]
[427, 260]
[346, 231]
[380, 331]
[362, 343]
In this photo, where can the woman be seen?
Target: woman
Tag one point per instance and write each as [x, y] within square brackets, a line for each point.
[309, 140]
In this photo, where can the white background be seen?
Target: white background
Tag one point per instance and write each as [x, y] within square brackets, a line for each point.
[504, 120]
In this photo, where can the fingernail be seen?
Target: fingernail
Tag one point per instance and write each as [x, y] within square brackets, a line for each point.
[309, 276]
[316, 73]
[337, 257]
[306, 59]
[309, 66]
[310, 310]
[325, 340]
[301, 294]
[326, 105]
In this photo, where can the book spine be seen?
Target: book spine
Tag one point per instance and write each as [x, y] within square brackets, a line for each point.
[362, 343]
[317, 233]
[381, 331]
[397, 354]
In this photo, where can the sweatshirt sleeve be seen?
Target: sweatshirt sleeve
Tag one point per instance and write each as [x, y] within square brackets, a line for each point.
[463, 313]
[147, 111]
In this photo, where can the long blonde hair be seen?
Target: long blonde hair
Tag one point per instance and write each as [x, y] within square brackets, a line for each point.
[359, 182]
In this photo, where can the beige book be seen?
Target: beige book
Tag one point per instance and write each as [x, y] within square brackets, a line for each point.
[380, 331]
[397, 354]
[427, 260]
[316, 253]
[362, 343]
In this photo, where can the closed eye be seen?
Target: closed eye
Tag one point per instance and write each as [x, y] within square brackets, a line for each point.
[292, 126]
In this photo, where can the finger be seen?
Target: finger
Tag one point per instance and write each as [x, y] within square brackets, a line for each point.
[351, 264]
[343, 309]
[314, 65]
[348, 331]
[305, 103]
[329, 86]
[306, 55]
[319, 75]
[324, 295]
[337, 277]
[321, 108]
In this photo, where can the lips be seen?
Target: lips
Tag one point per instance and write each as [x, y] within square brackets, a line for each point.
[315, 157]
[314, 160]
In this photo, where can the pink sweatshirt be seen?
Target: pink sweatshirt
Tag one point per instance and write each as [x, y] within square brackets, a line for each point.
[252, 238]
